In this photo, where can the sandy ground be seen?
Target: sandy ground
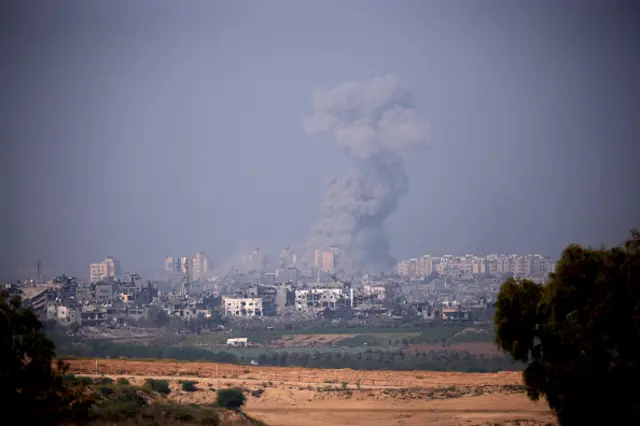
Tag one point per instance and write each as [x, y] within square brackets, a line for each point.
[474, 410]
[301, 397]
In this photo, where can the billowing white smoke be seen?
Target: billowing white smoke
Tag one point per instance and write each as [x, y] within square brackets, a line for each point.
[375, 122]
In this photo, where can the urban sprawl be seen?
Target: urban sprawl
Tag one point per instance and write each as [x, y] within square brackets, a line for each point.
[429, 288]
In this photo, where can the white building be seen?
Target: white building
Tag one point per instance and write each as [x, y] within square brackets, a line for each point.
[316, 299]
[379, 292]
[242, 306]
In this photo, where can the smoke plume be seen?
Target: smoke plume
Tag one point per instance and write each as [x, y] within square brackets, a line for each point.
[375, 123]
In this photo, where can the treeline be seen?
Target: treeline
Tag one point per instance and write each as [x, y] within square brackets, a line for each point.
[443, 360]
[435, 360]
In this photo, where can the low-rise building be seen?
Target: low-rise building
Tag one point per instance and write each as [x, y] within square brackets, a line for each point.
[242, 306]
[317, 299]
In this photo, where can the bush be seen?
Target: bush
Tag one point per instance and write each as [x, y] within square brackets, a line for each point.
[189, 386]
[257, 393]
[83, 380]
[68, 379]
[160, 386]
[123, 381]
[231, 398]
[106, 390]
[103, 381]
[211, 420]
[124, 404]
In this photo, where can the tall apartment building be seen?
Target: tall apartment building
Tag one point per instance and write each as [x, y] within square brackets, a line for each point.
[171, 265]
[415, 267]
[424, 267]
[109, 268]
[480, 266]
[200, 266]
[324, 260]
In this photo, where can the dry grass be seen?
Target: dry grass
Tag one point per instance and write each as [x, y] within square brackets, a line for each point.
[304, 397]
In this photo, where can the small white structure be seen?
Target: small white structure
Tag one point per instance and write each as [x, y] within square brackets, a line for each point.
[238, 342]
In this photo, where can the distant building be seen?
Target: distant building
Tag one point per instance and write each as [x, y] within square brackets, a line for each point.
[287, 275]
[242, 306]
[171, 265]
[183, 266]
[316, 299]
[109, 268]
[324, 261]
[200, 266]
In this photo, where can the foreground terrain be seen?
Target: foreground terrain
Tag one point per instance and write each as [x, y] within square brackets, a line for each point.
[298, 396]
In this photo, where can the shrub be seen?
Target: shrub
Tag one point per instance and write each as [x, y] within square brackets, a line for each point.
[83, 380]
[103, 381]
[189, 386]
[257, 393]
[211, 420]
[160, 386]
[126, 403]
[123, 381]
[231, 398]
[106, 390]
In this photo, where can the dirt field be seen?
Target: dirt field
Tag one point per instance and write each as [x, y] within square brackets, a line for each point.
[301, 397]
[310, 339]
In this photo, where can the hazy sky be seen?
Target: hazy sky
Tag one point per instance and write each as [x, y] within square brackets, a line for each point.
[142, 129]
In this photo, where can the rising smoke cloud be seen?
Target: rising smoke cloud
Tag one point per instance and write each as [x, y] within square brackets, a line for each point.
[374, 121]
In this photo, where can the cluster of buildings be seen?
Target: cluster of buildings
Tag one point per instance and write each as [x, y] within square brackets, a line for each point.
[301, 298]
[531, 266]
[448, 288]
[69, 301]
[196, 267]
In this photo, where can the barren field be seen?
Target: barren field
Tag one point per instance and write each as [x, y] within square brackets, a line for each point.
[300, 397]
[310, 339]
[294, 340]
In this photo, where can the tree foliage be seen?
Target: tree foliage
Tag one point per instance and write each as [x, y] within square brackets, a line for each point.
[29, 384]
[579, 334]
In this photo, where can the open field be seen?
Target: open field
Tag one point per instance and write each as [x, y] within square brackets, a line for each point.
[299, 396]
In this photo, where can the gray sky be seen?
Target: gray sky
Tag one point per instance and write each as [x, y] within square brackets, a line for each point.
[152, 128]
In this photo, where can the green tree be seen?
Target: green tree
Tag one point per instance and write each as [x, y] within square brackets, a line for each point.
[579, 334]
[232, 398]
[29, 383]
